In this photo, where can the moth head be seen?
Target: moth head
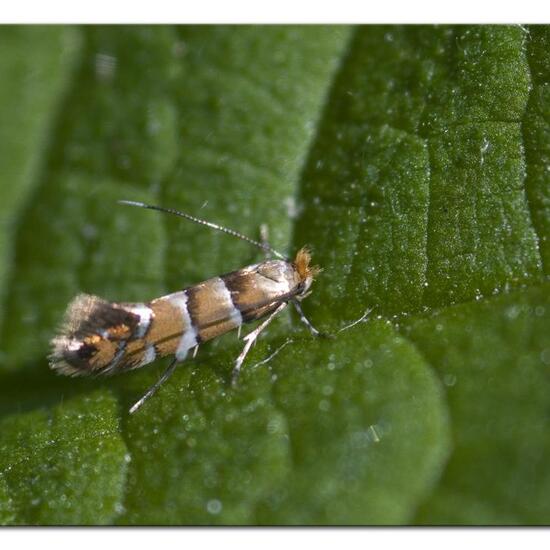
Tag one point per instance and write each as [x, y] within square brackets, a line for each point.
[306, 271]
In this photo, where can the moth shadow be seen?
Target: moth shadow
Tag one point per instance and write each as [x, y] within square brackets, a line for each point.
[33, 386]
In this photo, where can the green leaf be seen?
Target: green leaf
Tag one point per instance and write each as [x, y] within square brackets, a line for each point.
[36, 65]
[412, 160]
[63, 467]
[494, 359]
[298, 442]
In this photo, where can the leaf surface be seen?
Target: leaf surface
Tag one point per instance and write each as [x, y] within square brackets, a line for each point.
[412, 160]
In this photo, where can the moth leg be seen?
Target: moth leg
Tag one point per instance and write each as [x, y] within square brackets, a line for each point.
[307, 322]
[151, 391]
[268, 359]
[264, 239]
[357, 321]
[250, 338]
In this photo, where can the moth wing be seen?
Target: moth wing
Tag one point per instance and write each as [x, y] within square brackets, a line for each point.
[93, 333]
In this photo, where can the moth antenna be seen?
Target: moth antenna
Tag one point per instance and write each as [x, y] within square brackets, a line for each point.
[232, 232]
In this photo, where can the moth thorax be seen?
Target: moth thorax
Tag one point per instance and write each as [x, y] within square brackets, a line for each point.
[280, 275]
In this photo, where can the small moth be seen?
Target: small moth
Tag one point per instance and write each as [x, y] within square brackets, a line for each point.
[101, 337]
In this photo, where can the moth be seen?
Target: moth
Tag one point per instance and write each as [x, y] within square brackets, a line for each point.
[98, 337]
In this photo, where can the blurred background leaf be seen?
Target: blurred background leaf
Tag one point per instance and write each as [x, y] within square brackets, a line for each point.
[415, 161]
